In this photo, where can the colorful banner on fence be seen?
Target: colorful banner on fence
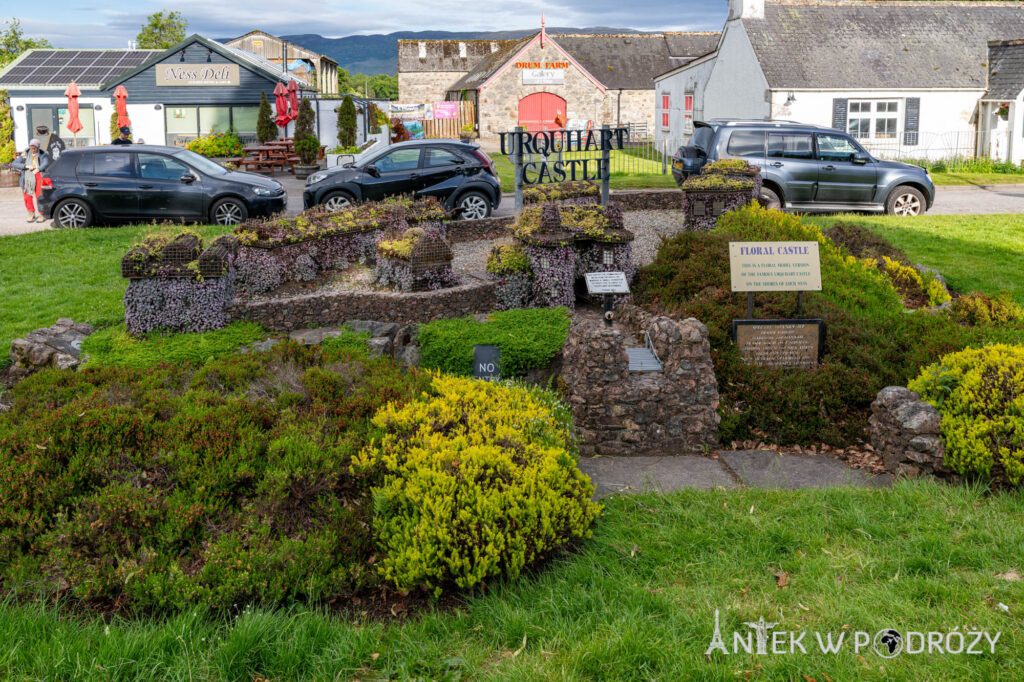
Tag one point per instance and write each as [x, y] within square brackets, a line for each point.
[410, 112]
[415, 129]
[446, 110]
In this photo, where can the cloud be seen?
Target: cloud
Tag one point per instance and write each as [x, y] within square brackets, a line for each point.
[114, 27]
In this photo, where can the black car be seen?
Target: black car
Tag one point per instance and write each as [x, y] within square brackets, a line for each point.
[808, 167]
[458, 173]
[110, 184]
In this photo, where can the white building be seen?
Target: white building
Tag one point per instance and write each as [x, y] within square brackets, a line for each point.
[906, 78]
[1001, 112]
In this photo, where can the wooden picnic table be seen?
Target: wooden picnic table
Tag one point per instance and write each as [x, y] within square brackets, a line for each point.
[266, 158]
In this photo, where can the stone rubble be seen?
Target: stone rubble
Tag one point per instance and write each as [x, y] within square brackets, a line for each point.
[906, 432]
[59, 346]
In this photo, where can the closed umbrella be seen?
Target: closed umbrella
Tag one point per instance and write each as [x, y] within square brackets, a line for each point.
[281, 104]
[74, 123]
[120, 94]
[293, 100]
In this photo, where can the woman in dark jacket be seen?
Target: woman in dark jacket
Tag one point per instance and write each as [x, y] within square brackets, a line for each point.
[31, 164]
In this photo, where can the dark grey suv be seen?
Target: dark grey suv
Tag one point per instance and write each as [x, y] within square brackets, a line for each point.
[809, 168]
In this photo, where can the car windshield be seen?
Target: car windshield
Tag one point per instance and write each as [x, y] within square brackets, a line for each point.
[200, 163]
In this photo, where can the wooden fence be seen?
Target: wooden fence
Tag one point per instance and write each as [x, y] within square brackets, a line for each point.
[448, 128]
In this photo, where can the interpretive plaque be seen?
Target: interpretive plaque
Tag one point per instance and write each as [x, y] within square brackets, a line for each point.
[607, 283]
[487, 362]
[774, 266]
[779, 343]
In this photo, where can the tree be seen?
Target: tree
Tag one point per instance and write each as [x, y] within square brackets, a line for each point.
[307, 147]
[344, 81]
[266, 129]
[162, 30]
[347, 122]
[13, 42]
[384, 86]
[6, 129]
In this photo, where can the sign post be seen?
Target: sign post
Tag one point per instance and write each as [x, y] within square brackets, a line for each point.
[487, 363]
[607, 284]
[606, 162]
[775, 267]
[517, 161]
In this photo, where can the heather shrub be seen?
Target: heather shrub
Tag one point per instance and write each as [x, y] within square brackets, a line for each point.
[528, 339]
[870, 341]
[980, 394]
[473, 482]
[981, 309]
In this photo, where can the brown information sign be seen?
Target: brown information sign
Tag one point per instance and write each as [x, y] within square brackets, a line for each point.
[780, 343]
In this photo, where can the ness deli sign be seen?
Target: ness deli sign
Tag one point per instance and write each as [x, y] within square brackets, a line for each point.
[197, 74]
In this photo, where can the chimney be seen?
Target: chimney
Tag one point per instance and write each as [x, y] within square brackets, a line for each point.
[746, 9]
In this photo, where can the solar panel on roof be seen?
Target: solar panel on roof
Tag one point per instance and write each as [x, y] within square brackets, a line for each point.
[45, 71]
[66, 74]
[82, 60]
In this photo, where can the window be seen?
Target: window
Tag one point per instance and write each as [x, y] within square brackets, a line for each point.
[399, 160]
[746, 143]
[665, 110]
[688, 113]
[441, 157]
[117, 164]
[874, 119]
[836, 148]
[159, 167]
[185, 123]
[790, 146]
[214, 120]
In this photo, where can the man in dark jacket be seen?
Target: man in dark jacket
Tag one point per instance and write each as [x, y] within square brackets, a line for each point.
[124, 137]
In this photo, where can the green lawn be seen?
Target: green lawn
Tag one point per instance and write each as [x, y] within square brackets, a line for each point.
[66, 273]
[636, 602]
[644, 173]
[974, 252]
[977, 178]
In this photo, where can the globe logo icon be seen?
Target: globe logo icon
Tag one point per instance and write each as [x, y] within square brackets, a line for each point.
[888, 643]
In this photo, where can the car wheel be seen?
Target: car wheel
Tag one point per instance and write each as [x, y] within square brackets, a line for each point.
[473, 206]
[73, 213]
[905, 200]
[228, 212]
[770, 199]
[336, 201]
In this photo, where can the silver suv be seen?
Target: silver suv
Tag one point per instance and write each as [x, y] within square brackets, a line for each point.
[809, 168]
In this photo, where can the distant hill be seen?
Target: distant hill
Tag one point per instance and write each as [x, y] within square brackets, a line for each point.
[378, 53]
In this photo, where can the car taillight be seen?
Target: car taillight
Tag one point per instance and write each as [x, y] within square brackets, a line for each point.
[47, 183]
[485, 160]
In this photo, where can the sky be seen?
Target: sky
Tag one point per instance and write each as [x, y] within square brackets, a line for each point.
[86, 23]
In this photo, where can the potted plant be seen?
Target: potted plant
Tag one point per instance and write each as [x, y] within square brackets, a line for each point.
[307, 146]
[8, 177]
[467, 132]
[1003, 111]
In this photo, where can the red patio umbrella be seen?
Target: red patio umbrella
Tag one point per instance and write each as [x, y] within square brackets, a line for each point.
[293, 100]
[120, 94]
[74, 123]
[281, 104]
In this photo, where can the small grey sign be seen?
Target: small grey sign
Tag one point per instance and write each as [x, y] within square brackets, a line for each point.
[487, 363]
[607, 283]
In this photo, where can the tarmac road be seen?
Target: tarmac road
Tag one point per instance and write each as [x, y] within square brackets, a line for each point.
[956, 200]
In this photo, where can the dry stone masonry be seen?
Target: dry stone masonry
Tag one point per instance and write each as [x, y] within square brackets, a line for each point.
[58, 346]
[906, 432]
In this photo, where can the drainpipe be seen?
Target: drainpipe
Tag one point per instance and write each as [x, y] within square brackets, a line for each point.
[618, 110]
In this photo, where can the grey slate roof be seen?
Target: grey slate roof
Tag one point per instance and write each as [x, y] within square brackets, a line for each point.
[849, 44]
[629, 61]
[443, 55]
[1005, 69]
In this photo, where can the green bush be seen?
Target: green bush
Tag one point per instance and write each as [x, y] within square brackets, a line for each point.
[217, 145]
[171, 486]
[981, 309]
[528, 339]
[266, 129]
[980, 394]
[347, 122]
[870, 341]
[115, 346]
[507, 259]
[307, 149]
[474, 482]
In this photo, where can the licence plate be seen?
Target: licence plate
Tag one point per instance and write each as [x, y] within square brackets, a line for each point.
[678, 165]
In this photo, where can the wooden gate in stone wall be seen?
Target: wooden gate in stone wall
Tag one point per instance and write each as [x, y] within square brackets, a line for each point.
[449, 128]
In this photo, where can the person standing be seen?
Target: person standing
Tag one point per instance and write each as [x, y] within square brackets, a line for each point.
[124, 137]
[31, 164]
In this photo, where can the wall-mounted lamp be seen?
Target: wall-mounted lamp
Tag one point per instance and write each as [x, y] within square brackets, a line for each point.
[98, 107]
[157, 107]
[20, 107]
[209, 55]
[181, 56]
[790, 99]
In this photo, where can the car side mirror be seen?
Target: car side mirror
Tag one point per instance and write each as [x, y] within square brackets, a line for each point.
[373, 170]
[346, 159]
[860, 159]
[188, 178]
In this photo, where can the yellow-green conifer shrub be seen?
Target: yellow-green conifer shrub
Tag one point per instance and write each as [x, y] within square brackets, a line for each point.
[980, 394]
[475, 481]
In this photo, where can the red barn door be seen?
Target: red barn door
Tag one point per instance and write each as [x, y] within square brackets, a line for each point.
[537, 111]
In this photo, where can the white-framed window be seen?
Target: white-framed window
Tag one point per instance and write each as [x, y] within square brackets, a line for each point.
[874, 119]
[688, 112]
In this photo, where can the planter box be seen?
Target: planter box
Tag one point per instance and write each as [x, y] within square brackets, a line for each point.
[9, 179]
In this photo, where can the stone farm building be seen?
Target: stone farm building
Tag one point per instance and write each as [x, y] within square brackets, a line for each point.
[908, 79]
[587, 78]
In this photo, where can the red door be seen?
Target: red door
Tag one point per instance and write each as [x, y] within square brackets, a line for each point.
[537, 111]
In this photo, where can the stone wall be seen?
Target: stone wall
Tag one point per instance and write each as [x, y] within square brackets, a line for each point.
[648, 199]
[905, 432]
[473, 230]
[332, 308]
[618, 412]
[422, 87]
[58, 346]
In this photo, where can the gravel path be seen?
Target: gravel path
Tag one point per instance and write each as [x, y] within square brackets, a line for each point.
[649, 227]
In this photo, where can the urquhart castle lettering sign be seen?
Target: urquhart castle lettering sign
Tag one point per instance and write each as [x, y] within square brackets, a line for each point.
[197, 74]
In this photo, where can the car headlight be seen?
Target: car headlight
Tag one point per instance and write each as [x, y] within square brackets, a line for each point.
[315, 178]
[264, 191]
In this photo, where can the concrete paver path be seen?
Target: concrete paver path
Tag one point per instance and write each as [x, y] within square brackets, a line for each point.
[732, 468]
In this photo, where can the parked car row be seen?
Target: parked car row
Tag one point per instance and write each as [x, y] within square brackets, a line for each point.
[808, 168]
[109, 184]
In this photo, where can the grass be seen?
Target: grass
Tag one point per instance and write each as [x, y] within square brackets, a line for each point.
[970, 178]
[115, 346]
[67, 273]
[973, 252]
[644, 173]
[637, 602]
